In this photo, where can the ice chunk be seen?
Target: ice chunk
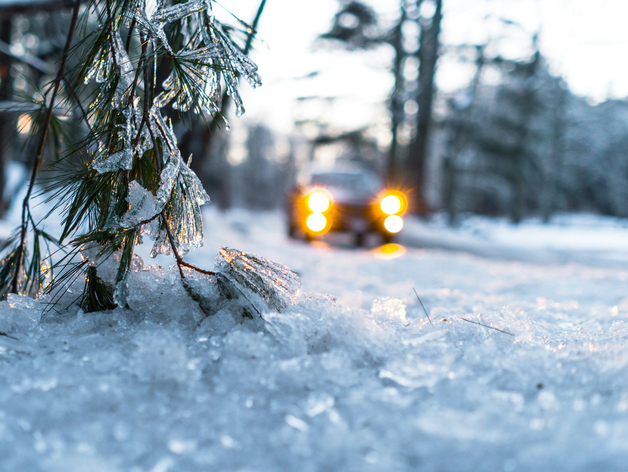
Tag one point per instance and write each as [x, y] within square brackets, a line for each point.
[266, 284]
[142, 205]
[389, 310]
[19, 313]
[116, 161]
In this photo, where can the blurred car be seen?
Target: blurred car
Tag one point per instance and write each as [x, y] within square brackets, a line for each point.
[344, 199]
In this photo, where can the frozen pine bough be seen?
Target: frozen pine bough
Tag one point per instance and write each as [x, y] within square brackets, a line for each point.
[124, 180]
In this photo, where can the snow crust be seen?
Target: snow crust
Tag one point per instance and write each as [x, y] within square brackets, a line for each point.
[349, 376]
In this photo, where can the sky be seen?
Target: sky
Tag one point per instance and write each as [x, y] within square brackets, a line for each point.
[585, 42]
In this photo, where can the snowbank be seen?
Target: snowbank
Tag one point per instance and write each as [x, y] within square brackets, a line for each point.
[358, 380]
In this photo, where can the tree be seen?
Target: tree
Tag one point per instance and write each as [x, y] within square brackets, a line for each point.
[355, 26]
[428, 53]
[124, 179]
[460, 126]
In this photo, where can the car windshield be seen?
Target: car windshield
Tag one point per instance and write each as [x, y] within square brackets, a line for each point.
[347, 180]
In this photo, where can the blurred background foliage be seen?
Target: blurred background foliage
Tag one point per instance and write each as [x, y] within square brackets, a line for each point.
[511, 139]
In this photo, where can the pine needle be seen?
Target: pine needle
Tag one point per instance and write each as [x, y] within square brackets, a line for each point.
[487, 326]
[8, 336]
[426, 314]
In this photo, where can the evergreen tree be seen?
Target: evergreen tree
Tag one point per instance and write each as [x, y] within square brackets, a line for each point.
[125, 178]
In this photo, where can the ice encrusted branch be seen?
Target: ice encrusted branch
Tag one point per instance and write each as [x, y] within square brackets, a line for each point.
[207, 58]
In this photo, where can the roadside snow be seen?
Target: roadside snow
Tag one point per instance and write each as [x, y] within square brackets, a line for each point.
[351, 377]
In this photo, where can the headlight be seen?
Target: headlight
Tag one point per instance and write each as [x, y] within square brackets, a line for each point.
[393, 223]
[393, 202]
[316, 222]
[390, 204]
[318, 202]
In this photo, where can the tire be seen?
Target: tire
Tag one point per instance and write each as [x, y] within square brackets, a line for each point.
[360, 239]
[387, 238]
[292, 230]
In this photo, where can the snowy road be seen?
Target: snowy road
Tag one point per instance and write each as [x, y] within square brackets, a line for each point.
[366, 383]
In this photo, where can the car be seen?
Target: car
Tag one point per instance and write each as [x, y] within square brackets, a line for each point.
[344, 199]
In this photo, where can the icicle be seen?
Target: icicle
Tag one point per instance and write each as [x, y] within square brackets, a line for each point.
[195, 187]
[102, 65]
[208, 52]
[173, 160]
[176, 12]
[167, 179]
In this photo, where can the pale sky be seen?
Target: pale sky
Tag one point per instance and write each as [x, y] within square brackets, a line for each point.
[586, 42]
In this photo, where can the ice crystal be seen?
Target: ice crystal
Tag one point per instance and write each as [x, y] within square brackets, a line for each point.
[266, 284]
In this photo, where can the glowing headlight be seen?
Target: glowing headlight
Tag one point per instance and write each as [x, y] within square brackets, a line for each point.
[316, 222]
[390, 204]
[393, 223]
[318, 202]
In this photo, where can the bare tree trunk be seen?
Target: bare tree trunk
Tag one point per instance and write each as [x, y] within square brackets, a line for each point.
[459, 137]
[417, 155]
[521, 156]
[8, 8]
[396, 99]
[7, 120]
[553, 179]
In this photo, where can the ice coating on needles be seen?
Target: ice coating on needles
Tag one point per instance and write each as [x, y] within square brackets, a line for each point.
[273, 284]
[207, 55]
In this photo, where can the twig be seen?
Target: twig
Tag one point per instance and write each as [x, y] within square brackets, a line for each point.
[197, 269]
[179, 259]
[486, 326]
[426, 314]
[40, 146]
[8, 336]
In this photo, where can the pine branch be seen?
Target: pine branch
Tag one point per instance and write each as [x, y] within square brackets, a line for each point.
[126, 172]
[40, 147]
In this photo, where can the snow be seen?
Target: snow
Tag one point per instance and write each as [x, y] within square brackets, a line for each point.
[350, 375]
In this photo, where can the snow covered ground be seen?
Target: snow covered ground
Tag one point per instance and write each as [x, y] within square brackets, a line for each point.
[352, 376]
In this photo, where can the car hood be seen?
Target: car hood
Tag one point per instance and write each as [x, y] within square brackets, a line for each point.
[344, 196]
